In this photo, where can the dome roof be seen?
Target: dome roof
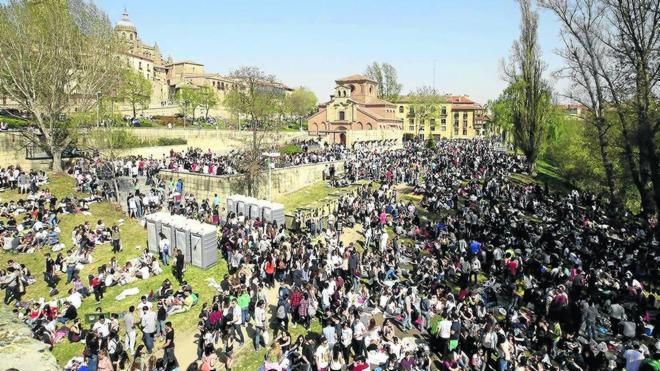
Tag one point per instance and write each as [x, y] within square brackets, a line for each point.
[125, 23]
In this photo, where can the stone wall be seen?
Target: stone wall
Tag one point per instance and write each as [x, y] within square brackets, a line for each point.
[19, 350]
[220, 141]
[12, 150]
[284, 181]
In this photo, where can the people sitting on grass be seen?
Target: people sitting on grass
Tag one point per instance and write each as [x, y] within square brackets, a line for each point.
[450, 262]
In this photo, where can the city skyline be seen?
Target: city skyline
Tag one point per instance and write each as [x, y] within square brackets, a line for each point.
[273, 37]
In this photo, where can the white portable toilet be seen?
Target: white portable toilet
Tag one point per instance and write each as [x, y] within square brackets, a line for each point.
[182, 237]
[168, 228]
[273, 212]
[231, 204]
[254, 209]
[204, 245]
[241, 205]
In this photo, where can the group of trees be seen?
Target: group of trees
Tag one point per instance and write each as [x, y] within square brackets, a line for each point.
[611, 54]
[385, 75]
[56, 58]
[260, 100]
[191, 97]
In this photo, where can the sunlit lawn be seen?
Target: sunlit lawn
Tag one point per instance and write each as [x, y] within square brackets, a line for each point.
[133, 239]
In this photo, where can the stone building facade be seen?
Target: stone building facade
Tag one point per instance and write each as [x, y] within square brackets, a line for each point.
[168, 76]
[354, 106]
[454, 116]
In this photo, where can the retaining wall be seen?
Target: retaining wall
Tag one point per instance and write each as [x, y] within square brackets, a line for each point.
[284, 181]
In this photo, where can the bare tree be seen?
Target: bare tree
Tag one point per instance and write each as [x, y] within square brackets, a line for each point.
[581, 23]
[532, 99]
[56, 57]
[634, 39]
[257, 96]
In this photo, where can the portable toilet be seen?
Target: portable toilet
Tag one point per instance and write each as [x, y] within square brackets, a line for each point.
[254, 208]
[231, 204]
[182, 237]
[241, 205]
[168, 228]
[273, 212]
[204, 245]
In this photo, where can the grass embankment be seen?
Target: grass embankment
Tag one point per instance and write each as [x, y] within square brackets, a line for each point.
[133, 238]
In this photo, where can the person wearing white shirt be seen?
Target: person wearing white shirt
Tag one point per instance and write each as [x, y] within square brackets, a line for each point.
[259, 323]
[101, 327]
[444, 332]
[75, 298]
[359, 331]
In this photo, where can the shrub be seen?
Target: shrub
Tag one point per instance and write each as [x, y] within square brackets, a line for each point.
[290, 149]
[14, 122]
[164, 141]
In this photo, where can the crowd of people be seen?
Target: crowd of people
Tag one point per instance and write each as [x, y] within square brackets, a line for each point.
[441, 261]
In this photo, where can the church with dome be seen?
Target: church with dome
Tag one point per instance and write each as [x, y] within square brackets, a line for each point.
[168, 76]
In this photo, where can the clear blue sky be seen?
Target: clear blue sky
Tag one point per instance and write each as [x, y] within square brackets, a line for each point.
[311, 43]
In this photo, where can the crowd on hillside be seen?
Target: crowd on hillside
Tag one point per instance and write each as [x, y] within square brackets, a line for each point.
[451, 264]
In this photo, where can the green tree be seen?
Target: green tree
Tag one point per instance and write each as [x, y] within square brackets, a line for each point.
[258, 97]
[530, 93]
[135, 89]
[189, 99]
[208, 99]
[386, 76]
[501, 118]
[300, 103]
[424, 106]
[580, 27]
[56, 57]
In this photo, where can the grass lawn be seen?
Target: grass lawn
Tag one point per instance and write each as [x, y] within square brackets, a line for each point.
[546, 174]
[314, 194]
[133, 239]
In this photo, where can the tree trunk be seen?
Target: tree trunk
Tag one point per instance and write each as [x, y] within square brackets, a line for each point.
[56, 165]
[647, 152]
[134, 111]
[607, 163]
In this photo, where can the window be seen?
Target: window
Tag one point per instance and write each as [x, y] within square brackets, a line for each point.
[465, 115]
[342, 115]
[400, 109]
[464, 130]
[432, 124]
[444, 111]
[140, 65]
[370, 89]
[443, 124]
[411, 124]
[455, 130]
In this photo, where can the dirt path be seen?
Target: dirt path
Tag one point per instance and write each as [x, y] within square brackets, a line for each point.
[186, 339]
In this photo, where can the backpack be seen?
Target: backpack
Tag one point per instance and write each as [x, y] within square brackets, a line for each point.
[424, 305]
[119, 348]
[281, 312]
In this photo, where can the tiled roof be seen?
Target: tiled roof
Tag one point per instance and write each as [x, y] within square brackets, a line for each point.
[354, 78]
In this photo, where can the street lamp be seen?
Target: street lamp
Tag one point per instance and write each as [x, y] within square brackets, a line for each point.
[185, 111]
[98, 108]
[271, 165]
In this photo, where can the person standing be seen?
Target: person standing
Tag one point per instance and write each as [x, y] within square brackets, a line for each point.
[114, 236]
[168, 346]
[129, 324]
[259, 324]
[237, 321]
[148, 324]
[164, 249]
[71, 261]
[178, 265]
